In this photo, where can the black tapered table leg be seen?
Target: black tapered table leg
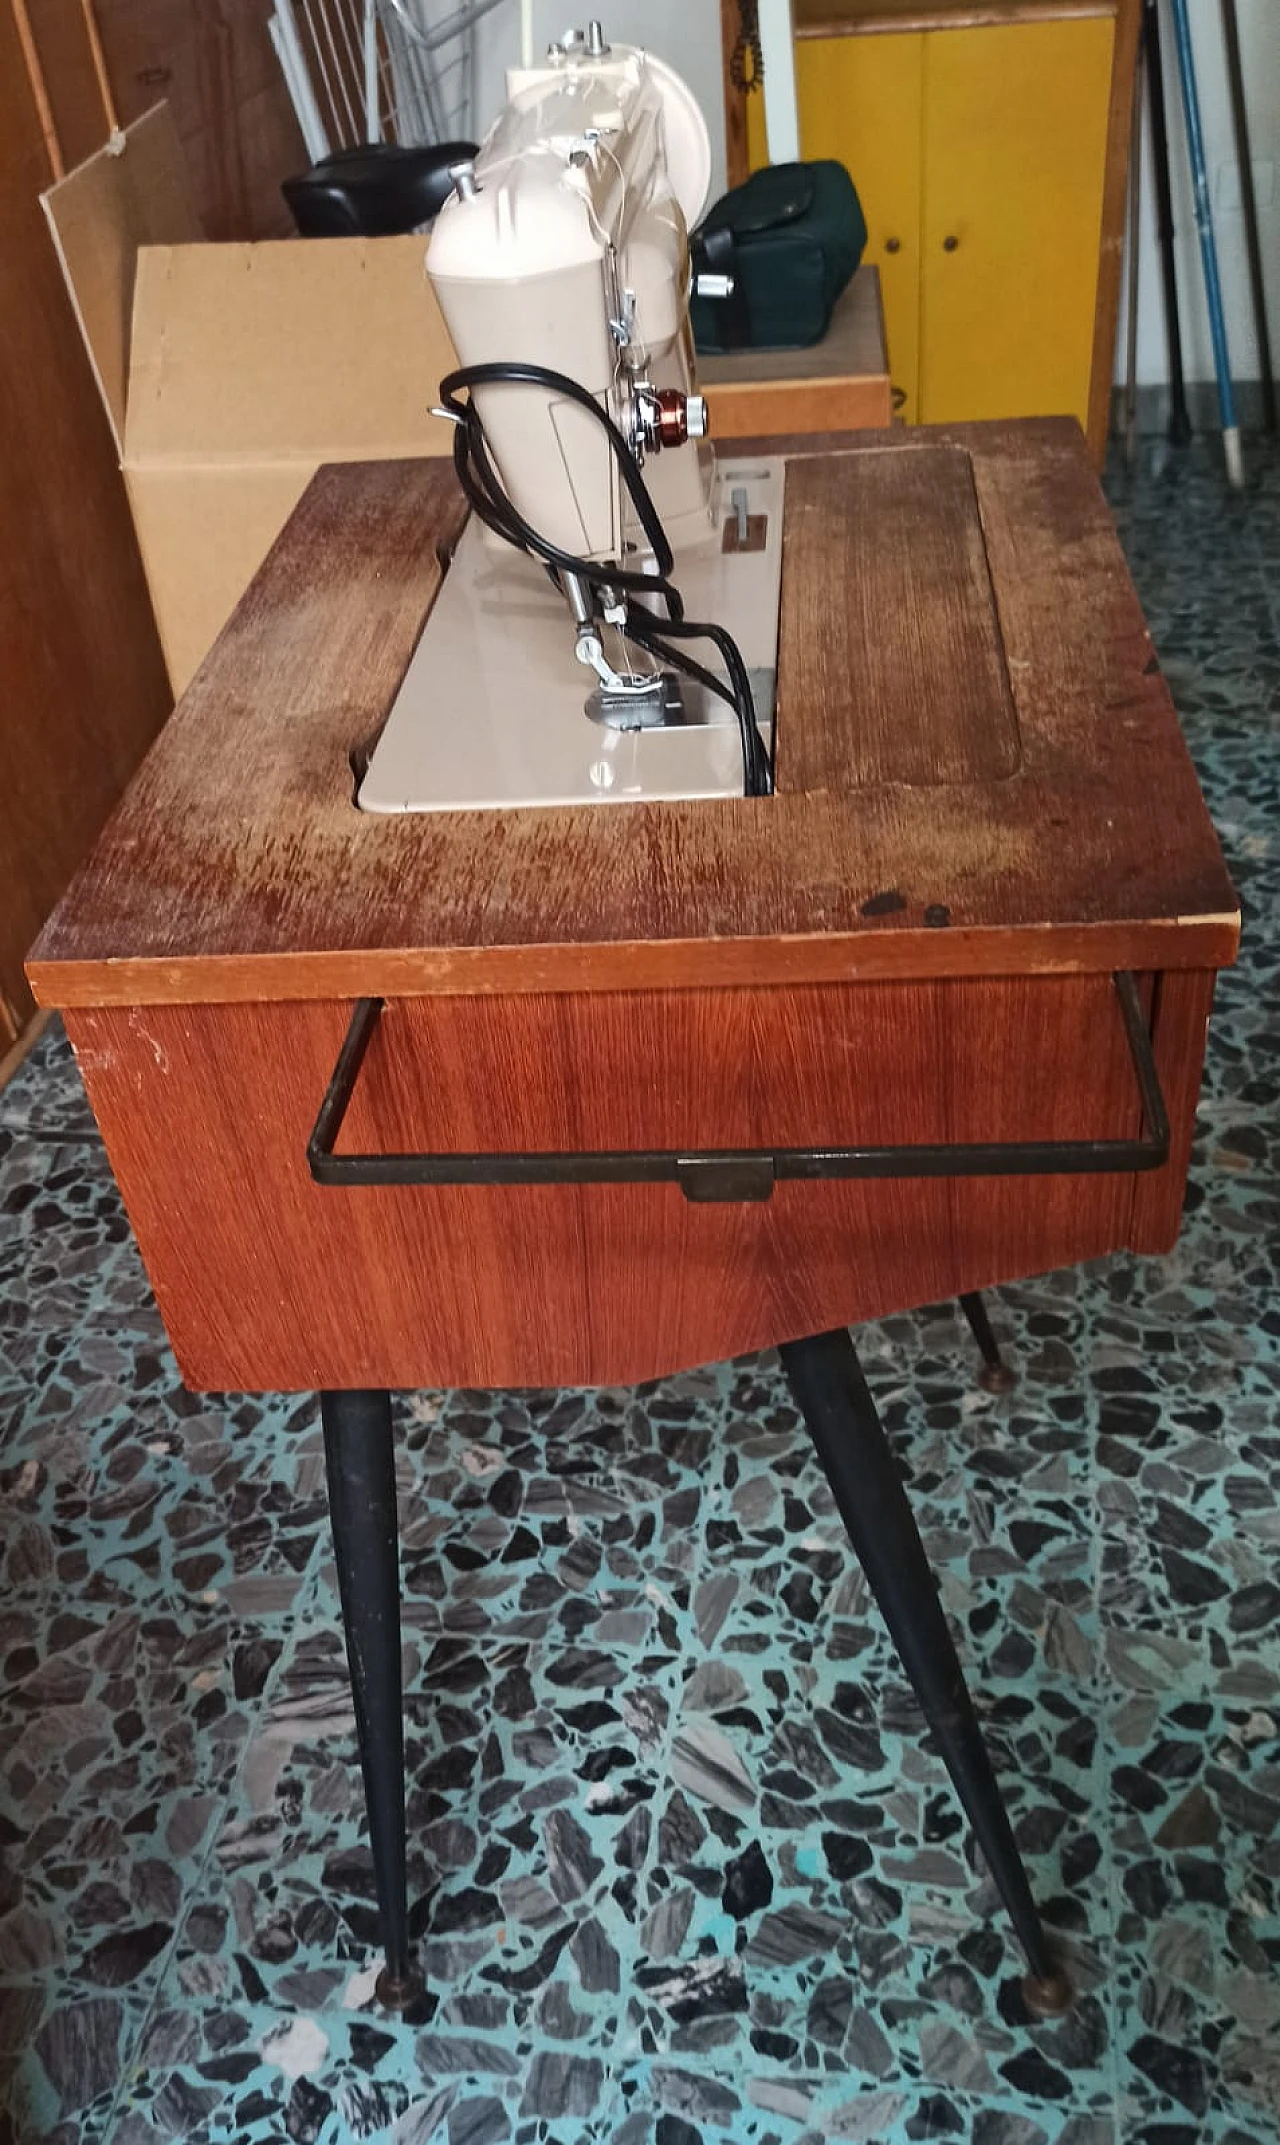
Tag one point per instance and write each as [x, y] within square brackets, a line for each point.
[359, 1457]
[996, 1376]
[833, 1397]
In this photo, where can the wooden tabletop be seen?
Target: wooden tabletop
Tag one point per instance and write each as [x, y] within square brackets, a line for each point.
[980, 770]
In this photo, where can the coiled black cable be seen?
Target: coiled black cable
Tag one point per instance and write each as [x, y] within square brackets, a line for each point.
[489, 500]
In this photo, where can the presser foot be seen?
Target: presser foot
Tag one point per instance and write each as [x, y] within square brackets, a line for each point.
[658, 705]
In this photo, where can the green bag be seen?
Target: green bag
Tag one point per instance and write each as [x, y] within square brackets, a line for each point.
[781, 249]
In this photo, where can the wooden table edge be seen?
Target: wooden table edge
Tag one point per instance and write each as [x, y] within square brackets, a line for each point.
[891, 955]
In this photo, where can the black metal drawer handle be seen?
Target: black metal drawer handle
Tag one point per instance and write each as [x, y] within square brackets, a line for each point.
[748, 1173]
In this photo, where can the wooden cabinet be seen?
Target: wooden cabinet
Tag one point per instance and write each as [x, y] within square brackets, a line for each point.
[989, 145]
[984, 808]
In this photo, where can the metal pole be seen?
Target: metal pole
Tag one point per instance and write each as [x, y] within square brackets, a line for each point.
[1249, 203]
[283, 31]
[372, 104]
[360, 1464]
[1179, 418]
[1208, 250]
[840, 1415]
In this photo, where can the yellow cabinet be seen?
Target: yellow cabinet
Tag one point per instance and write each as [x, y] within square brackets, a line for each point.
[988, 146]
[1014, 151]
[869, 91]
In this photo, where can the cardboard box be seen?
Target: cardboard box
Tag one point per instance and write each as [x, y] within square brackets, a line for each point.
[230, 372]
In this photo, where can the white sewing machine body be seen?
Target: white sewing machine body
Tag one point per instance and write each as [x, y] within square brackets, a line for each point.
[565, 247]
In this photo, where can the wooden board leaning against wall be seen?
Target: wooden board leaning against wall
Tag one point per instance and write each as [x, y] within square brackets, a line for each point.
[998, 231]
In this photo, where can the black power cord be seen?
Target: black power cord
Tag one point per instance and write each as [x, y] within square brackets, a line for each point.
[487, 496]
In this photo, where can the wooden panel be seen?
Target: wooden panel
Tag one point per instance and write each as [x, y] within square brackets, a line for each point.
[860, 101]
[930, 703]
[1111, 256]
[1015, 134]
[236, 871]
[266, 1280]
[737, 159]
[82, 688]
[216, 66]
[743, 410]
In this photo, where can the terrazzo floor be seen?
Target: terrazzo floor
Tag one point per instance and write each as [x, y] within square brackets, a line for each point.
[683, 1869]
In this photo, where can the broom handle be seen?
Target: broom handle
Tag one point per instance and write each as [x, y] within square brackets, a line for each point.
[1208, 250]
[98, 58]
[1249, 203]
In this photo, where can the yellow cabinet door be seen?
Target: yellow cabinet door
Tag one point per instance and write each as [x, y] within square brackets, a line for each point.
[860, 100]
[1015, 142]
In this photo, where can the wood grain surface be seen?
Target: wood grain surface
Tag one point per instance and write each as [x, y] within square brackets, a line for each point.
[1115, 187]
[266, 1280]
[82, 688]
[239, 868]
[848, 403]
[215, 64]
[737, 164]
[884, 539]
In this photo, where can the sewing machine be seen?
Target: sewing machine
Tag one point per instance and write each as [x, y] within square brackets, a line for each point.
[555, 667]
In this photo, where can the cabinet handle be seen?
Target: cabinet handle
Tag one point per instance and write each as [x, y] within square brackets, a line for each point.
[893, 245]
[719, 1174]
[950, 244]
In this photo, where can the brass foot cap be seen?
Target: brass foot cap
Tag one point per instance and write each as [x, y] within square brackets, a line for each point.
[1048, 1995]
[997, 1378]
[395, 1992]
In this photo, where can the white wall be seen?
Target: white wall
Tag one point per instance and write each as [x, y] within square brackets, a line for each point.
[686, 33]
[1260, 46]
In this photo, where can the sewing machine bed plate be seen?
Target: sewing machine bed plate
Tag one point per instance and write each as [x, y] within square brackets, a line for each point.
[490, 713]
